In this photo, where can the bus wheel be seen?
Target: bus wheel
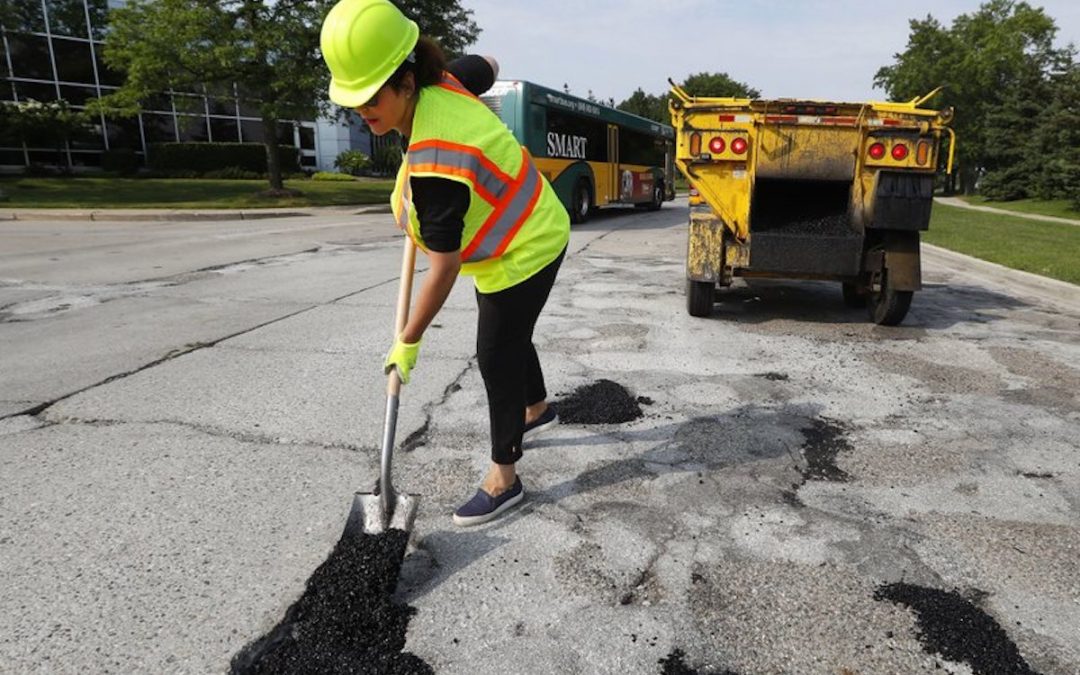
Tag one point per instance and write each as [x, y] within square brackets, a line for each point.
[581, 203]
[657, 197]
[699, 297]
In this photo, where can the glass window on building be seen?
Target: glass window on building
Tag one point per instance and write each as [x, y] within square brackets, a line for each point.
[106, 75]
[159, 128]
[74, 62]
[77, 96]
[158, 103]
[28, 17]
[190, 105]
[285, 133]
[88, 159]
[48, 157]
[307, 138]
[192, 128]
[35, 91]
[99, 17]
[252, 131]
[89, 138]
[12, 158]
[30, 56]
[224, 130]
[123, 133]
[67, 17]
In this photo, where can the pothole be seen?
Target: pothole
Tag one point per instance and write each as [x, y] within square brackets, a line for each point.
[347, 620]
[602, 402]
[952, 626]
[824, 441]
[675, 664]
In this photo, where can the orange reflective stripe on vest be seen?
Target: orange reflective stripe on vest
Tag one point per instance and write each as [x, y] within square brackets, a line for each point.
[512, 198]
[460, 160]
[499, 229]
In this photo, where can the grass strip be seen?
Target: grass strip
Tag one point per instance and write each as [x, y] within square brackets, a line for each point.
[1046, 248]
[178, 193]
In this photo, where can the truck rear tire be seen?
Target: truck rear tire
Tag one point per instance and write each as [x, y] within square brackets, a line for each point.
[888, 307]
[580, 202]
[699, 297]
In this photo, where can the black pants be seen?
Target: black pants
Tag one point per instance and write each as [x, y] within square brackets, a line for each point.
[508, 361]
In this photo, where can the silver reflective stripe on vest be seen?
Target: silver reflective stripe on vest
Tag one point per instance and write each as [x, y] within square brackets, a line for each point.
[515, 212]
[406, 203]
[491, 182]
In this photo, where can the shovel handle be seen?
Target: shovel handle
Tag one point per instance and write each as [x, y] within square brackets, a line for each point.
[408, 263]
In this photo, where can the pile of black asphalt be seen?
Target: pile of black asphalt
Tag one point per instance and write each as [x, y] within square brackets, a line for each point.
[347, 620]
[602, 402]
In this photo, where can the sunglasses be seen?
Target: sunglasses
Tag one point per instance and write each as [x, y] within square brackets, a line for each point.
[374, 100]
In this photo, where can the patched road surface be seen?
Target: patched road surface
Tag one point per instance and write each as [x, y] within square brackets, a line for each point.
[186, 410]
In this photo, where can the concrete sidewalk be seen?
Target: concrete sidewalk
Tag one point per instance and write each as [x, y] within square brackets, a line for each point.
[175, 215]
[955, 201]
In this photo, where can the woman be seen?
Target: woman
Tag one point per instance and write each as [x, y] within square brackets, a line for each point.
[471, 198]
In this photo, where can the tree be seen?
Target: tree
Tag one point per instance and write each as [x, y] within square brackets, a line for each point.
[981, 60]
[701, 84]
[718, 85]
[268, 48]
[41, 124]
[445, 20]
[647, 106]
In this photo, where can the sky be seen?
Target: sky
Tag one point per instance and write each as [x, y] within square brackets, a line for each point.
[784, 48]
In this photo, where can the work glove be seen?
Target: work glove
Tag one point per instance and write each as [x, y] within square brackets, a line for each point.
[403, 357]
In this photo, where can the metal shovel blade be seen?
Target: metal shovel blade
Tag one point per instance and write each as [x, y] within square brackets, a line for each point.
[368, 515]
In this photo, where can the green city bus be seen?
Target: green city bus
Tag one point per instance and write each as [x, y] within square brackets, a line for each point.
[593, 155]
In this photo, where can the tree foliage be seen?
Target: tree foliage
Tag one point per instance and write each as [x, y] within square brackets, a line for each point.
[445, 20]
[43, 124]
[996, 65]
[268, 49]
[655, 107]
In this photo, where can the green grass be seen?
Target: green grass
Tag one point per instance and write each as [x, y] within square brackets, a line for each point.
[151, 193]
[1040, 247]
[1059, 208]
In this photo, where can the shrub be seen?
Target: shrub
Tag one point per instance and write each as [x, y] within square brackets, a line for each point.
[329, 175]
[387, 160]
[352, 161]
[121, 161]
[203, 157]
[233, 173]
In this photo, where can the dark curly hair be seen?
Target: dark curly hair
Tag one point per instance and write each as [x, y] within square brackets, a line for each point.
[427, 67]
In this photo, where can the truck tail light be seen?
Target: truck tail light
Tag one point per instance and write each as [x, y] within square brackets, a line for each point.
[695, 144]
[922, 153]
[877, 151]
[738, 146]
[899, 152]
[717, 145]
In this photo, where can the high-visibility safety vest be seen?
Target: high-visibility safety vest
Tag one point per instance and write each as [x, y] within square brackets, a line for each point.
[515, 225]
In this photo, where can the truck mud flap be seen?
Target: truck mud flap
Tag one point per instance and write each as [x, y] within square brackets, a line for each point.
[815, 254]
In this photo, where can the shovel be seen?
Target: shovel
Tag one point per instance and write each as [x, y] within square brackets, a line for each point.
[384, 509]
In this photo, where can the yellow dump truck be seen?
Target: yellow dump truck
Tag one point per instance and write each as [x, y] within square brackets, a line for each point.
[809, 190]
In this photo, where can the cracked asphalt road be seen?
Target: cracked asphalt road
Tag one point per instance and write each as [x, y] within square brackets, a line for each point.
[186, 409]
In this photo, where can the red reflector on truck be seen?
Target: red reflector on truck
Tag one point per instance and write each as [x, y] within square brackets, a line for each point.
[899, 152]
[738, 146]
[877, 151]
[726, 118]
[717, 145]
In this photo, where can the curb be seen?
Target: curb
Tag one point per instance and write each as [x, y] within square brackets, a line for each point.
[161, 215]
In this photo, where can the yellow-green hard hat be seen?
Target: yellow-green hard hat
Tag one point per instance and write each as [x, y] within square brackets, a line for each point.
[363, 42]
